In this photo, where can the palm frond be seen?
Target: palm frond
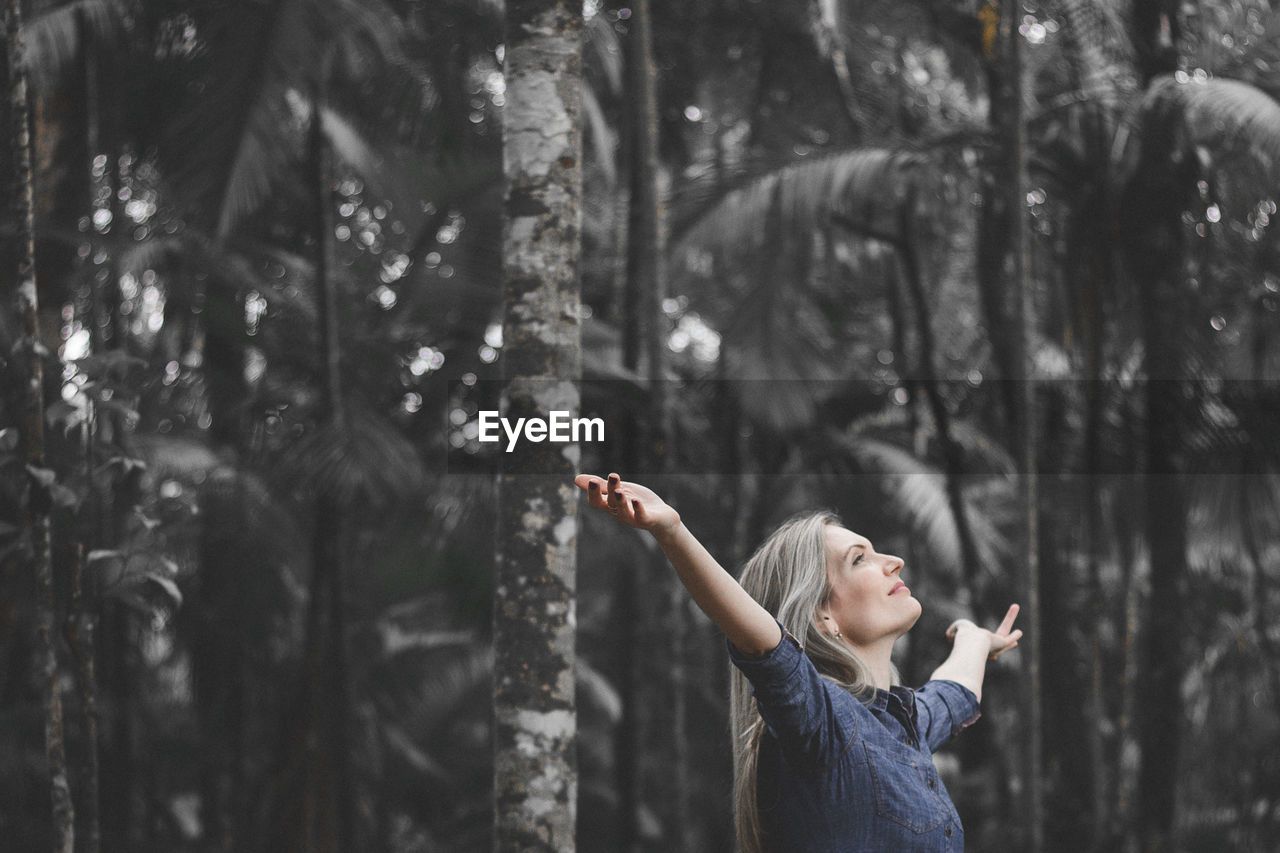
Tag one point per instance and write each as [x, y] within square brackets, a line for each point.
[603, 53]
[978, 446]
[176, 457]
[228, 153]
[53, 38]
[1100, 50]
[858, 184]
[916, 496]
[364, 460]
[1222, 113]
[603, 142]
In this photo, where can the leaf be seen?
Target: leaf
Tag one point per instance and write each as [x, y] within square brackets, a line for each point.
[167, 584]
[43, 476]
[1222, 112]
[126, 464]
[860, 184]
[126, 411]
[64, 497]
[53, 38]
[101, 554]
[109, 362]
[917, 497]
[364, 460]
[9, 439]
[64, 414]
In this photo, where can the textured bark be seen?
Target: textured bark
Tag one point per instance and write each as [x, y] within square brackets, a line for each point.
[36, 507]
[535, 766]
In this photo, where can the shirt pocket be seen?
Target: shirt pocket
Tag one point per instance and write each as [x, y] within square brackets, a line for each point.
[902, 793]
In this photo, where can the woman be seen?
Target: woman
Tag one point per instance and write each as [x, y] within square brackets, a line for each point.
[831, 756]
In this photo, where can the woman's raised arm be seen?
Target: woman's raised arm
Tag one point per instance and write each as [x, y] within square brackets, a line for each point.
[751, 629]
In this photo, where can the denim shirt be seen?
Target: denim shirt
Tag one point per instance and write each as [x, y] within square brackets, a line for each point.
[838, 776]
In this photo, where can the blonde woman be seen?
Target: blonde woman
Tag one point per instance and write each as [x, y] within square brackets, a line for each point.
[831, 755]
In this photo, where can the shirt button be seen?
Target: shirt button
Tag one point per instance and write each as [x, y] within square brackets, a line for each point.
[932, 784]
[948, 832]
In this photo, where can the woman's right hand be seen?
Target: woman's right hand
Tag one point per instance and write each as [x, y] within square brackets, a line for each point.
[631, 503]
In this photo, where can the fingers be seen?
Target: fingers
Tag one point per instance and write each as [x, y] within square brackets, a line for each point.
[1012, 643]
[601, 494]
[611, 496]
[1008, 619]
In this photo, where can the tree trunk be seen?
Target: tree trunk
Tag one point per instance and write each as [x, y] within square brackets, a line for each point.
[535, 766]
[1023, 326]
[84, 602]
[37, 505]
[1153, 201]
[646, 266]
[992, 249]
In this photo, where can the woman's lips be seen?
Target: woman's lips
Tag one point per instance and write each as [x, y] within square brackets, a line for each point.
[898, 586]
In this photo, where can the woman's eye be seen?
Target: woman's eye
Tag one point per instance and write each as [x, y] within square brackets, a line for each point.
[857, 559]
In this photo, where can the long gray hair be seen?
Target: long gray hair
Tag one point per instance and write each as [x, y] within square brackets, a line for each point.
[788, 576]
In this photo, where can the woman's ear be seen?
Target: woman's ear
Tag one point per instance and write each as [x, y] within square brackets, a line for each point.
[828, 625]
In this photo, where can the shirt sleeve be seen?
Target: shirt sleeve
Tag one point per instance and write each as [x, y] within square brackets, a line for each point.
[943, 709]
[795, 703]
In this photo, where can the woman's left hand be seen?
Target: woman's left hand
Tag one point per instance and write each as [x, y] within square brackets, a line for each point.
[1001, 639]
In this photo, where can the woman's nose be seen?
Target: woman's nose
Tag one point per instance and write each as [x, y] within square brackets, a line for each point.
[892, 564]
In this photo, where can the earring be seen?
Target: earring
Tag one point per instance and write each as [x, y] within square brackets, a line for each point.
[837, 634]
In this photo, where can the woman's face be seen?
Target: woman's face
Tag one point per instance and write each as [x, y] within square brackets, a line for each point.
[869, 602]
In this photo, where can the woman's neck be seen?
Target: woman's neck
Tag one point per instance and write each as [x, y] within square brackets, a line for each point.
[878, 656]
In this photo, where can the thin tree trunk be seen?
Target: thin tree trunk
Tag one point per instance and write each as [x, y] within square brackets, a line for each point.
[1014, 137]
[1091, 534]
[328, 688]
[83, 612]
[80, 631]
[535, 767]
[1155, 196]
[36, 507]
[646, 265]
[992, 249]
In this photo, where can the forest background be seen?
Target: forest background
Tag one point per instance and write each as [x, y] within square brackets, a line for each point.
[998, 285]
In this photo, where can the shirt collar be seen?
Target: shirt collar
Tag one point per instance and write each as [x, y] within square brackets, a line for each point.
[898, 701]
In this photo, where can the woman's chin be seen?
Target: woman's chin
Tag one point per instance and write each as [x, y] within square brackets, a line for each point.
[918, 609]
